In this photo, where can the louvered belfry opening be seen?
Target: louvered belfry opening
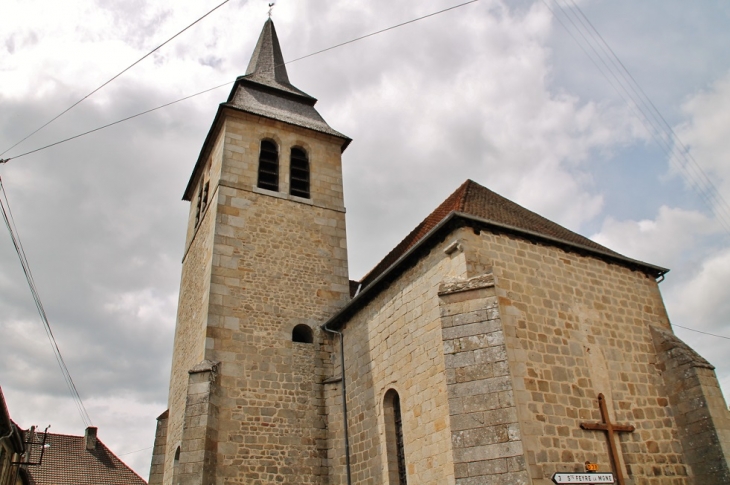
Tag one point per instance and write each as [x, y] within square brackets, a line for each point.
[299, 176]
[269, 166]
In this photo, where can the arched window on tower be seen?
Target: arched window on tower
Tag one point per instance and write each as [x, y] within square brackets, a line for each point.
[394, 439]
[268, 166]
[299, 174]
[303, 334]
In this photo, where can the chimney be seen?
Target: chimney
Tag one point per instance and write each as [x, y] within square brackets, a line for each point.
[90, 438]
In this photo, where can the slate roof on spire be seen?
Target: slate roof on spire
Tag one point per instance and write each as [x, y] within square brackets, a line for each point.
[265, 89]
[267, 63]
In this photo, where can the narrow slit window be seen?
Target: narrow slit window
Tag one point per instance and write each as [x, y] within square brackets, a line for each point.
[299, 174]
[268, 166]
[394, 439]
[199, 206]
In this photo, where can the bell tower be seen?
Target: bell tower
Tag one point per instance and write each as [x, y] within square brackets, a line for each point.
[265, 264]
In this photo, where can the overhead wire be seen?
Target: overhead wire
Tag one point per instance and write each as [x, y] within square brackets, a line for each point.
[115, 77]
[718, 195]
[644, 109]
[653, 121]
[700, 331]
[231, 82]
[135, 451]
[677, 149]
[15, 237]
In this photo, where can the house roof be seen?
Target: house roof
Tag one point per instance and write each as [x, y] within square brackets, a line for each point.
[66, 461]
[474, 204]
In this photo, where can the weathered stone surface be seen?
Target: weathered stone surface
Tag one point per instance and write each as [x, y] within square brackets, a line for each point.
[698, 408]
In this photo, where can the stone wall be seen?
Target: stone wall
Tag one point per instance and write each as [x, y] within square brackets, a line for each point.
[198, 451]
[576, 326]
[485, 432]
[278, 261]
[699, 407]
[157, 468]
[192, 313]
[395, 343]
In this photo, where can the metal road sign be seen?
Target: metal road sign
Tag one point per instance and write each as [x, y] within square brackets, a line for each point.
[583, 478]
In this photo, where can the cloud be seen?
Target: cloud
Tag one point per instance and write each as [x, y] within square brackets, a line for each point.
[478, 92]
[664, 240]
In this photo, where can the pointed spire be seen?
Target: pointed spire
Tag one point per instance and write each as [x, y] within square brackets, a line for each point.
[267, 68]
[267, 61]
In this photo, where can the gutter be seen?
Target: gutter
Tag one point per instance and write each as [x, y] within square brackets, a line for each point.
[344, 399]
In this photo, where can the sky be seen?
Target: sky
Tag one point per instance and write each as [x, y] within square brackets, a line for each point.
[507, 93]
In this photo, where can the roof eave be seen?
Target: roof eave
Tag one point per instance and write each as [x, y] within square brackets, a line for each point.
[303, 98]
[369, 292]
[204, 151]
[345, 139]
[654, 270]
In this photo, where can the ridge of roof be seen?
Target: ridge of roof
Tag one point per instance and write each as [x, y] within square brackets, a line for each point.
[473, 199]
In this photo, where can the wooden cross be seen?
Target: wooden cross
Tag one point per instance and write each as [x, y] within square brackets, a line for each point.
[610, 428]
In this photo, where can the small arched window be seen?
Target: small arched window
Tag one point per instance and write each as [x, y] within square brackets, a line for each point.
[303, 334]
[394, 439]
[299, 174]
[268, 166]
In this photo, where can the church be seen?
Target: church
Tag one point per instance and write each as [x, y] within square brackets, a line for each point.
[491, 346]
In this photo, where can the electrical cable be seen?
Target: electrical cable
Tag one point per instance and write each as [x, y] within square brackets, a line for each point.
[700, 331]
[135, 451]
[115, 122]
[694, 171]
[655, 111]
[231, 82]
[15, 237]
[645, 110]
[113, 78]
[380, 31]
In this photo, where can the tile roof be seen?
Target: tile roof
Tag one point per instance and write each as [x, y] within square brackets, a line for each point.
[67, 462]
[475, 200]
[477, 206]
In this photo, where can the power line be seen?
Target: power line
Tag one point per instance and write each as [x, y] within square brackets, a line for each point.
[13, 230]
[379, 32]
[644, 109]
[115, 122]
[228, 83]
[705, 183]
[113, 78]
[135, 451]
[700, 331]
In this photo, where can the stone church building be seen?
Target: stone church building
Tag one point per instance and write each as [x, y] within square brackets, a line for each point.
[491, 346]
